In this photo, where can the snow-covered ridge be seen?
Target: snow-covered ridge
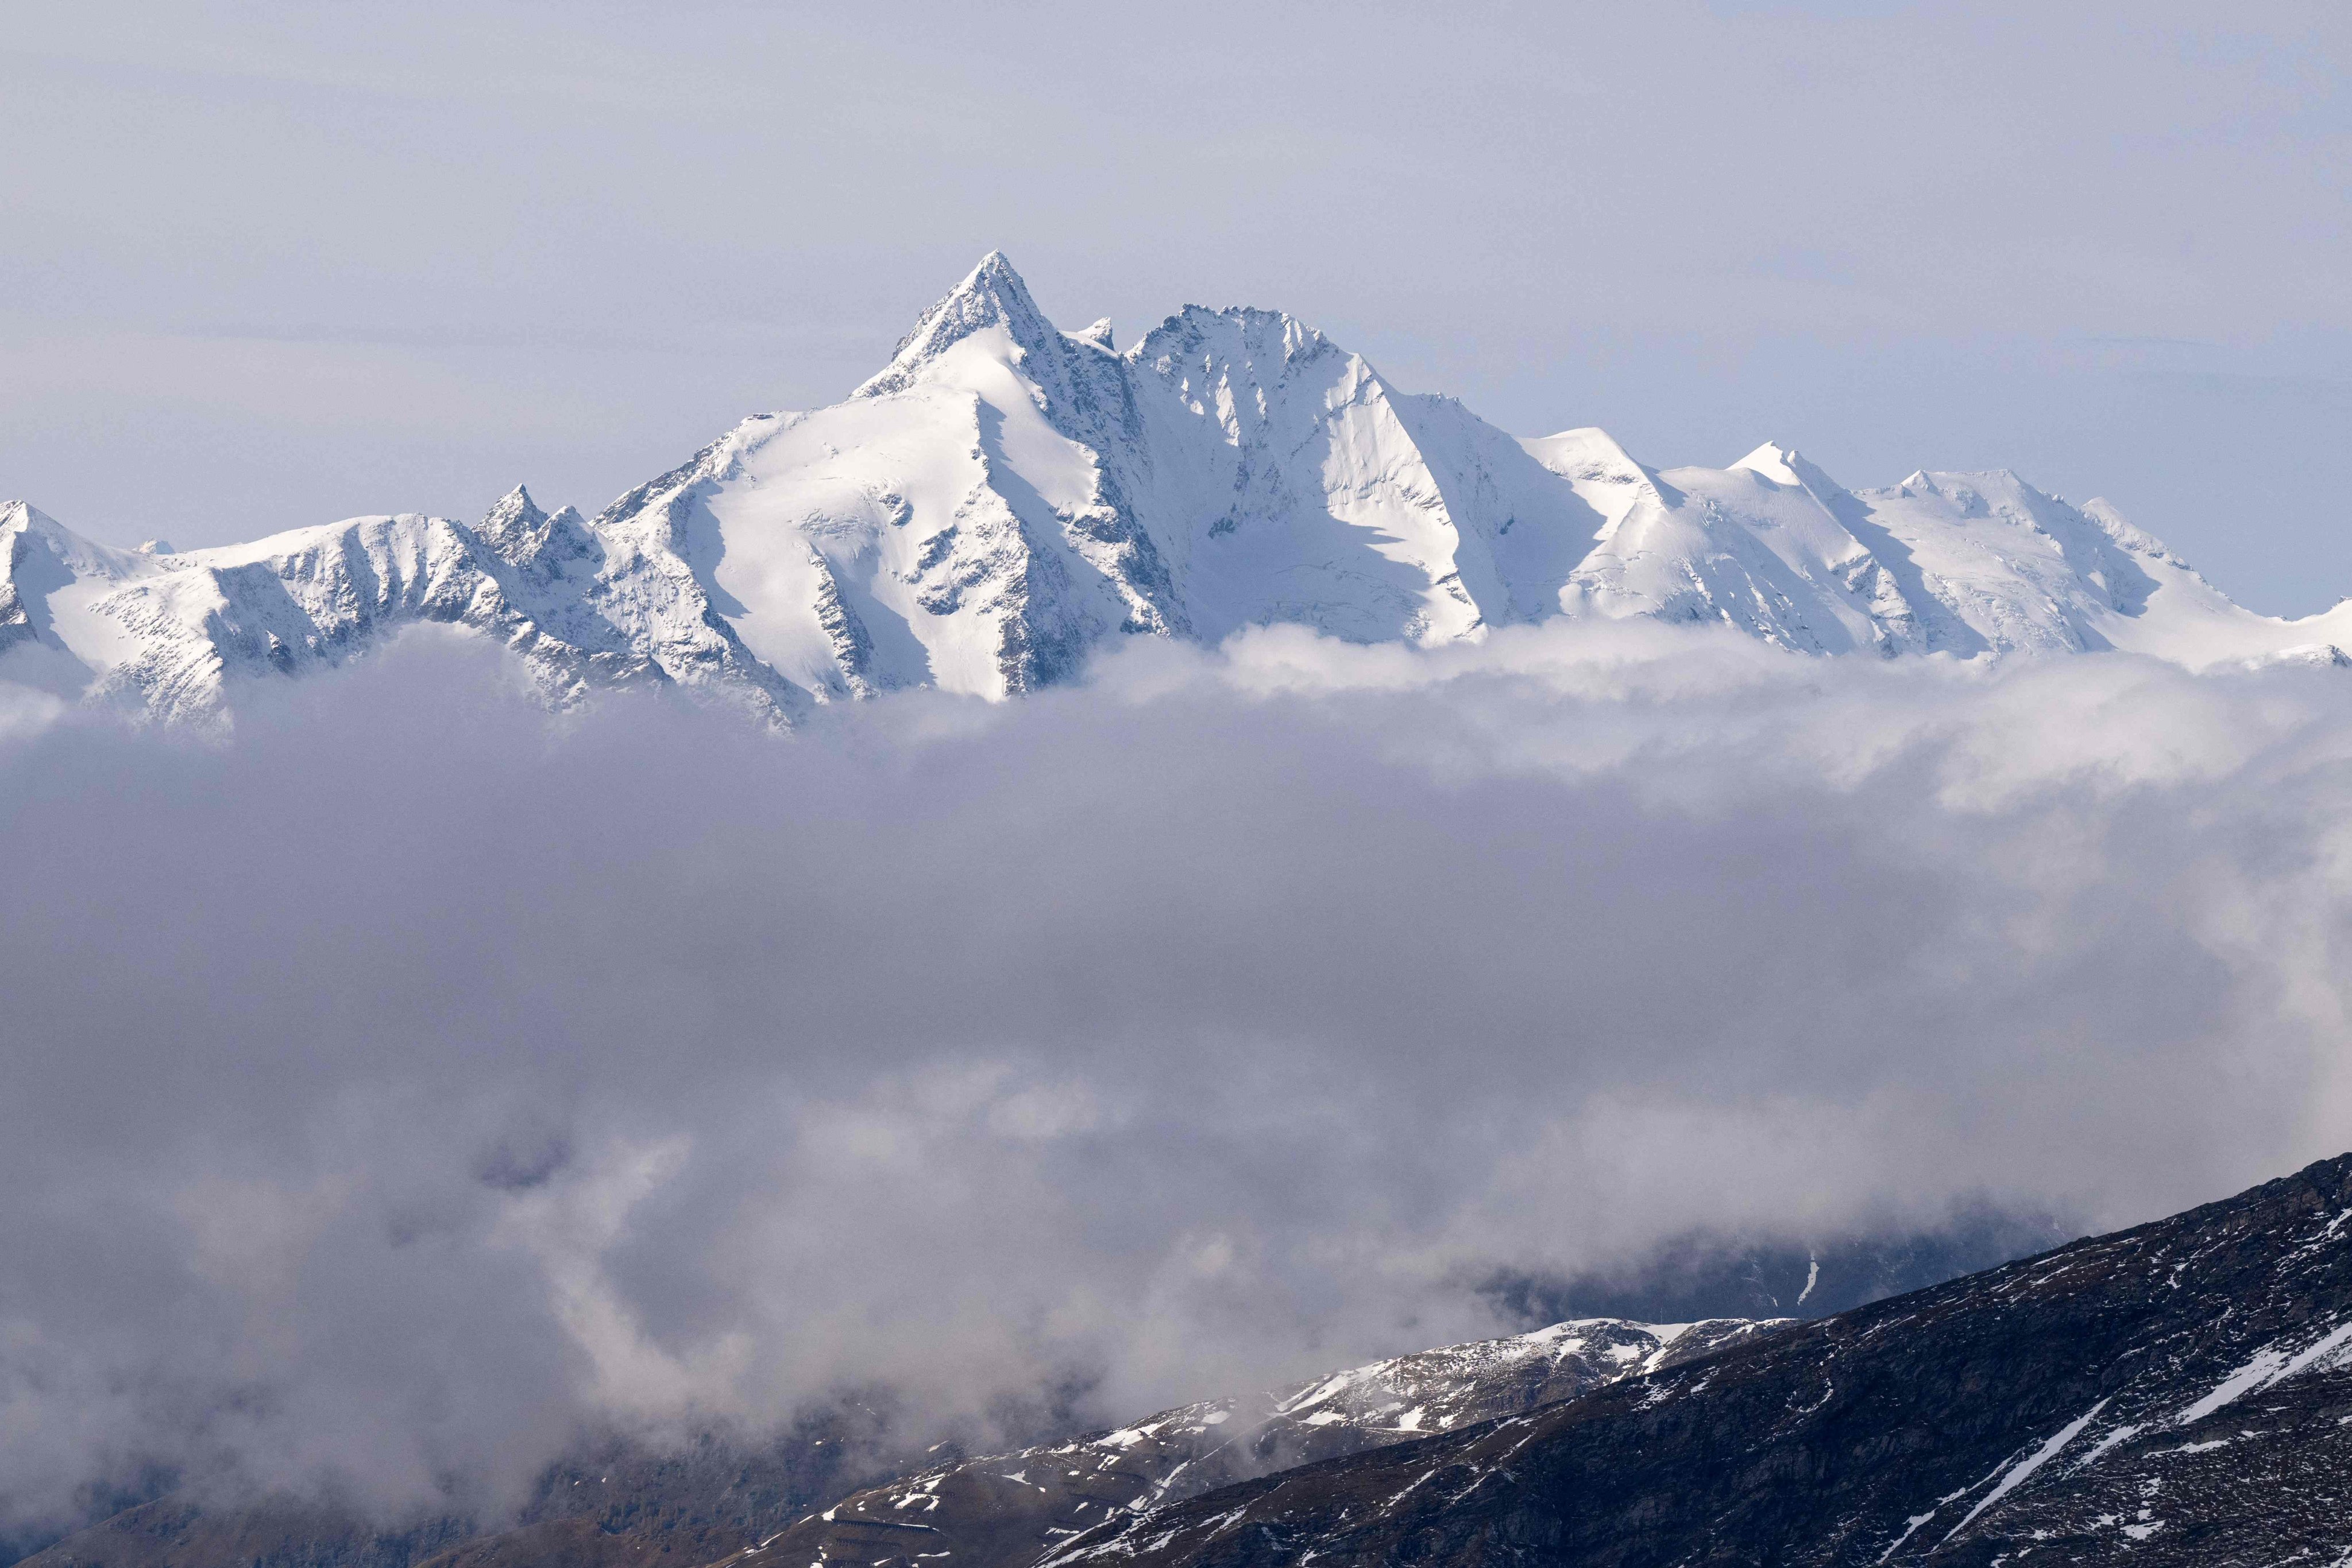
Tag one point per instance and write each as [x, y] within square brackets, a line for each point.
[1005, 1510]
[1003, 499]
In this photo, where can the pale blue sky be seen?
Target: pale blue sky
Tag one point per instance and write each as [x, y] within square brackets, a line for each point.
[264, 266]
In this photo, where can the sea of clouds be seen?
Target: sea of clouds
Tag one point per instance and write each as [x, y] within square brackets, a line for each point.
[409, 1080]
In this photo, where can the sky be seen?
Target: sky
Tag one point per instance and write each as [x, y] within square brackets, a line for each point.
[265, 265]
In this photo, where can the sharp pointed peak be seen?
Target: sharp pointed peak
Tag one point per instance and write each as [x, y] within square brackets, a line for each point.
[995, 268]
[513, 517]
[515, 503]
[995, 279]
[24, 514]
[991, 294]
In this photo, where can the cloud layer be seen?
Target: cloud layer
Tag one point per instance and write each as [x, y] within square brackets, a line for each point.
[412, 1079]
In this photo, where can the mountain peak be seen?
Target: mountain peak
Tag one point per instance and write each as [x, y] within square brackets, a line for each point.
[513, 517]
[1786, 466]
[1772, 460]
[991, 295]
[23, 516]
[1269, 337]
[1776, 462]
[993, 281]
[515, 505]
[995, 265]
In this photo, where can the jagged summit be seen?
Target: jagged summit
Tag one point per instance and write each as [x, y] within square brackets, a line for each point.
[513, 511]
[1004, 499]
[1270, 336]
[991, 295]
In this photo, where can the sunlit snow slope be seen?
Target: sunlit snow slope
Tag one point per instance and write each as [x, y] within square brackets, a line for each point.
[1005, 498]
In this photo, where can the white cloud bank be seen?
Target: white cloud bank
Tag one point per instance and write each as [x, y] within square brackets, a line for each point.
[410, 1079]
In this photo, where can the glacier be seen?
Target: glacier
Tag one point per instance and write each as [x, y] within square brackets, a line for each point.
[1005, 499]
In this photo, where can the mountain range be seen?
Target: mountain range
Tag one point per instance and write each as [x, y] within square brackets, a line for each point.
[1005, 499]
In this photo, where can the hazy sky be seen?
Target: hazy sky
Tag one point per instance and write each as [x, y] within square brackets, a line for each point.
[265, 265]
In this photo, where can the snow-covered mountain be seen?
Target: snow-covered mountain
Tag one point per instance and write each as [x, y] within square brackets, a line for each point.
[1005, 1510]
[1005, 498]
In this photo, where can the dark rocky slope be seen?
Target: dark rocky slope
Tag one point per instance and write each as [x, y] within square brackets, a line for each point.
[1004, 1511]
[2178, 1394]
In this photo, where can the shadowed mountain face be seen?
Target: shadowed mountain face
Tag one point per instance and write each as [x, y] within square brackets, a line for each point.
[2178, 1394]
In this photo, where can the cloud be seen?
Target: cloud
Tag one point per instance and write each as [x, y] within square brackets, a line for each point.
[411, 1080]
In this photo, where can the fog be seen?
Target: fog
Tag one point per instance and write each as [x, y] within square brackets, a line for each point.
[411, 1078]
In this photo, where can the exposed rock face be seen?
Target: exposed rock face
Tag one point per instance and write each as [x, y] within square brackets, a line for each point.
[2177, 1393]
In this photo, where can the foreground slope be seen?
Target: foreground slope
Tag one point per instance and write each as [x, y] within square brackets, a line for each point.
[1004, 499]
[1005, 1510]
[622, 1503]
[2177, 1393]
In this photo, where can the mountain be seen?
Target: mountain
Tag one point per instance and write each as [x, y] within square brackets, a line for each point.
[170, 635]
[1006, 1510]
[1005, 499]
[2178, 1394]
[623, 1505]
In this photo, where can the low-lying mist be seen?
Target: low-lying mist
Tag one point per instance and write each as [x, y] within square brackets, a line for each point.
[411, 1081]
